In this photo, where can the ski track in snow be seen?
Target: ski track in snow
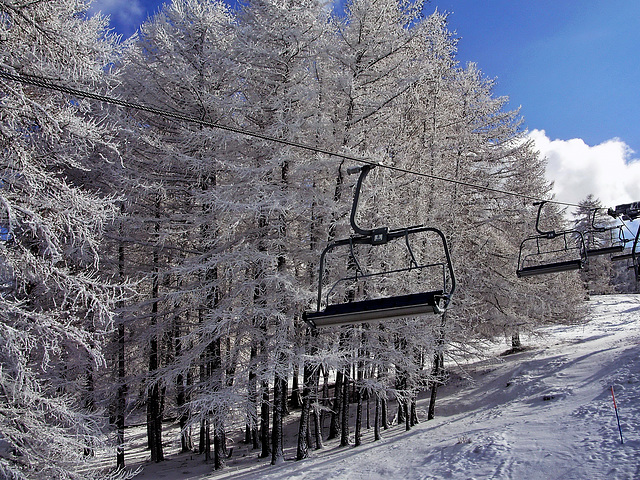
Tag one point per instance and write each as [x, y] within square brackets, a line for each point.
[542, 414]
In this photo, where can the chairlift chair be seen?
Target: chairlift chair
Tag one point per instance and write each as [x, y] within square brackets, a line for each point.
[629, 211]
[614, 245]
[390, 307]
[568, 253]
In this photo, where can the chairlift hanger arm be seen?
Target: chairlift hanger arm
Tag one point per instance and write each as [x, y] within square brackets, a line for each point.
[548, 234]
[593, 222]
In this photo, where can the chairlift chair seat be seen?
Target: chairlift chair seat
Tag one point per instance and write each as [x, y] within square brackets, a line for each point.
[624, 256]
[376, 309]
[605, 250]
[550, 268]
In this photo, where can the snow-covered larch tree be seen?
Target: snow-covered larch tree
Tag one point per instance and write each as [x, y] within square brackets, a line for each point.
[181, 211]
[54, 308]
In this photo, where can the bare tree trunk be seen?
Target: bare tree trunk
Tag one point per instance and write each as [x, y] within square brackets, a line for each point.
[251, 435]
[325, 391]
[303, 427]
[121, 394]
[296, 401]
[344, 436]
[335, 427]
[358, 432]
[277, 448]
[218, 445]
[376, 419]
[438, 365]
[414, 412]
[385, 417]
[407, 414]
[264, 422]
[368, 396]
[154, 410]
[181, 398]
[318, 427]
[516, 344]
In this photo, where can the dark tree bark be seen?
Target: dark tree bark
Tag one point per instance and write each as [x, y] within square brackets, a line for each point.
[284, 389]
[219, 445]
[516, 344]
[407, 414]
[277, 447]
[335, 427]
[400, 415]
[376, 419]
[317, 427]
[296, 398]
[181, 396]
[251, 429]
[202, 439]
[154, 410]
[264, 422]
[438, 366]
[303, 427]
[385, 417]
[368, 396]
[414, 412]
[358, 429]
[121, 393]
[344, 435]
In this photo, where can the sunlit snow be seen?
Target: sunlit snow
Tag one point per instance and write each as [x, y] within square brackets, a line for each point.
[546, 413]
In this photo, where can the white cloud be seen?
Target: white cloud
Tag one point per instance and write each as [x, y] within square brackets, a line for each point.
[607, 170]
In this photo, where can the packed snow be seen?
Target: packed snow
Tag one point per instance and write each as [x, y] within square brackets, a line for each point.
[544, 413]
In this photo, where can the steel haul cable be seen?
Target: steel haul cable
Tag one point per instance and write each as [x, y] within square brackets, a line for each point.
[45, 83]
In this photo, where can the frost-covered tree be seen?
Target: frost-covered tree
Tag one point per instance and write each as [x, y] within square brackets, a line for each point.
[180, 210]
[599, 231]
[277, 59]
[55, 309]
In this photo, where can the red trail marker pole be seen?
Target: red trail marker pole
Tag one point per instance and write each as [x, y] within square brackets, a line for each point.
[615, 407]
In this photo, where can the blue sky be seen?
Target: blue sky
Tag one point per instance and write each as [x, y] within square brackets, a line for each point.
[572, 67]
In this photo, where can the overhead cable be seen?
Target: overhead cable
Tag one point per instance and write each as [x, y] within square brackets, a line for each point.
[46, 83]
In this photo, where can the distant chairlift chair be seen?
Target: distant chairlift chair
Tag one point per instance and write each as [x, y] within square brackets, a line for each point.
[629, 211]
[379, 309]
[535, 251]
[615, 243]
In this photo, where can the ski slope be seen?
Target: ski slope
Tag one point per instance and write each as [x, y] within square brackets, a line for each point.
[542, 414]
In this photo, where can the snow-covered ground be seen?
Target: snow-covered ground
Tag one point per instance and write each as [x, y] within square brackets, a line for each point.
[546, 413]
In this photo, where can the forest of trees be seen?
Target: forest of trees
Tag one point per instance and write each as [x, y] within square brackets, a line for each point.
[153, 268]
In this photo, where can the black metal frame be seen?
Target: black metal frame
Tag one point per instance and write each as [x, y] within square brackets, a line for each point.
[380, 308]
[569, 237]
